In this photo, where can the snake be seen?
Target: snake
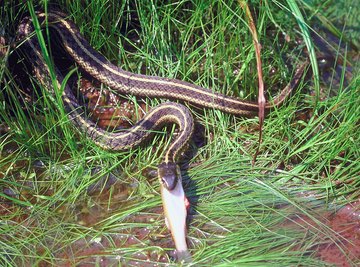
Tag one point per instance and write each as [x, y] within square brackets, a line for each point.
[128, 83]
[29, 35]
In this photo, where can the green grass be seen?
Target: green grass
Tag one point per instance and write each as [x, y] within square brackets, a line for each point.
[239, 208]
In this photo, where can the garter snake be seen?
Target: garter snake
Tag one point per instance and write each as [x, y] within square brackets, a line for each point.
[129, 83]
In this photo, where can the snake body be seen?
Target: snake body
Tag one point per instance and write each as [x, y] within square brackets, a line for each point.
[125, 82]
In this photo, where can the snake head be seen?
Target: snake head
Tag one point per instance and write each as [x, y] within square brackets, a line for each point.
[169, 174]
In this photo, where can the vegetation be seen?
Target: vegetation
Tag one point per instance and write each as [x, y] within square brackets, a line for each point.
[275, 212]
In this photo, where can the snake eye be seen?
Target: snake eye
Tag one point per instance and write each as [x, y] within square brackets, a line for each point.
[168, 175]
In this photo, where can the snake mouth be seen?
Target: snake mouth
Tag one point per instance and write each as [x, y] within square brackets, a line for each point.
[169, 174]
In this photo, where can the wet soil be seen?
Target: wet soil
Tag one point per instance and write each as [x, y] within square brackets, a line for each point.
[338, 242]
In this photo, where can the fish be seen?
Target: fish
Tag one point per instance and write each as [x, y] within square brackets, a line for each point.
[175, 209]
